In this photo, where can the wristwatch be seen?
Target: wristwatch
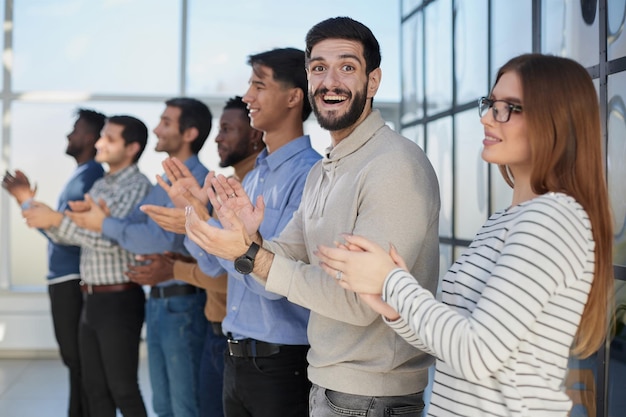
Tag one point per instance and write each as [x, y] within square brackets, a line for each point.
[245, 263]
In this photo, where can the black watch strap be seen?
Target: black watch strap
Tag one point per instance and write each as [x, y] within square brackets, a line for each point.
[252, 251]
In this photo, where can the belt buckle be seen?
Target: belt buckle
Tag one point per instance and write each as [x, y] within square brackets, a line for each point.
[231, 344]
[88, 286]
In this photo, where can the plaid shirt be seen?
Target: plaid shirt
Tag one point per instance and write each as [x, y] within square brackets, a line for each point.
[102, 260]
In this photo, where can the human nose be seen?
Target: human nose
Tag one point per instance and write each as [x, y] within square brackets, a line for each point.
[487, 119]
[248, 97]
[98, 143]
[330, 79]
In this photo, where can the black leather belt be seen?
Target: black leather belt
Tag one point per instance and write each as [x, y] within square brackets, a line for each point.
[250, 348]
[173, 290]
[217, 328]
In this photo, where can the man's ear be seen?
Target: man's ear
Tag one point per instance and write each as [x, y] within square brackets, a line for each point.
[255, 140]
[374, 82]
[132, 149]
[190, 134]
[296, 96]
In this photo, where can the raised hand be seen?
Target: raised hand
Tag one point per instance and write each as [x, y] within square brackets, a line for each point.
[229, 193]
[89, 215]
[363, 269]
[173, 219]
[182, 182]
[18, 186]
[41, 216]
[227, 243]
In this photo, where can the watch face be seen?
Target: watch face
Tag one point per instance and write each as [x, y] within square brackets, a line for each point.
[244, 265]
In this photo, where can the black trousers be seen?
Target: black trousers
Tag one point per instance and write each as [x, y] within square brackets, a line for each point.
[271, 386]
[66, 303]
[109, 335]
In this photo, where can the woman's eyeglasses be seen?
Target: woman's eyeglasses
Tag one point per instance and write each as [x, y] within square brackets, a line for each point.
[500, 109]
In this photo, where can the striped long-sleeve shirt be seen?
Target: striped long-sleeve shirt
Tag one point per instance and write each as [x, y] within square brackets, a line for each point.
[102, 260]
[510, 309]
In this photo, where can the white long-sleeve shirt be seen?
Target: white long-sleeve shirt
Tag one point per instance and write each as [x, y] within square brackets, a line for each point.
[510, 309]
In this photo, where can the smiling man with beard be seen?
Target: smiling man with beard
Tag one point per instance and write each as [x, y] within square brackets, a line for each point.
[371, 182]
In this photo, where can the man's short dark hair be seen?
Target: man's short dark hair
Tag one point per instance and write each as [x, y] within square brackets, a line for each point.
[193, 113]
[134, 131]
[93, 119]
[288, 67]
[346, 28]
[236, 103]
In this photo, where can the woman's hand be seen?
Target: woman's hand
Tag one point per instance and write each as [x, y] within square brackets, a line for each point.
[359, 264]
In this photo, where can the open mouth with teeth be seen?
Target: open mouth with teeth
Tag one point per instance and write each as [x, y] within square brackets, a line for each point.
[333, 99]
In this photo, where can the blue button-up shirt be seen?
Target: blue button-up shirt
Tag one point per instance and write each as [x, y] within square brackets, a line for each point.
[139, 234]
[252, 312]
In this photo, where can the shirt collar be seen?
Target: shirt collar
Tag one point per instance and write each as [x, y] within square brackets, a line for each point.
[192, 162]
[284, 153]
[123, 174]
[359, 136]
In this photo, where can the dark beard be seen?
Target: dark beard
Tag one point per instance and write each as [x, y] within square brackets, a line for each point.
[237, 155]
[73, 152]
[332, 122]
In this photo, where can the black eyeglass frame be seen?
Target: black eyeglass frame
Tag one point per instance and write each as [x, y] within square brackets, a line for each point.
[490, 105]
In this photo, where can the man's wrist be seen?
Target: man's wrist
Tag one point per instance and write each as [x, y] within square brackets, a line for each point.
[26, 204]
[57, 219]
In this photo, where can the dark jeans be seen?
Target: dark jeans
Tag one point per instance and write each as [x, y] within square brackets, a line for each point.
[109, 335]
[66, 302]
[212, 374]
[272, 386]
[329, 403]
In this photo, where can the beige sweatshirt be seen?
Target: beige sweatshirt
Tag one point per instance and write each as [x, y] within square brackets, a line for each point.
[380, 185]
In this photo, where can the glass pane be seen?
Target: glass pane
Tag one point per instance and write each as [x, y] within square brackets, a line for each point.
[445, 261]
[101, 47]
[438, 60]
[470, 55]
[220, 39]
[570, 29]
[470, 173]
[2, 38]
[511, 32]
[439, 151]
[501, 193]
[616, 155]
[409, 5]
[616, 17]
[458, 251]
[412, 69]
[580, 385]
[415, 133]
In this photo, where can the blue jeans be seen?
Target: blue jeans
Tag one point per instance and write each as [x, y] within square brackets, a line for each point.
[176, 328]
[327, 403]
[212, 374]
